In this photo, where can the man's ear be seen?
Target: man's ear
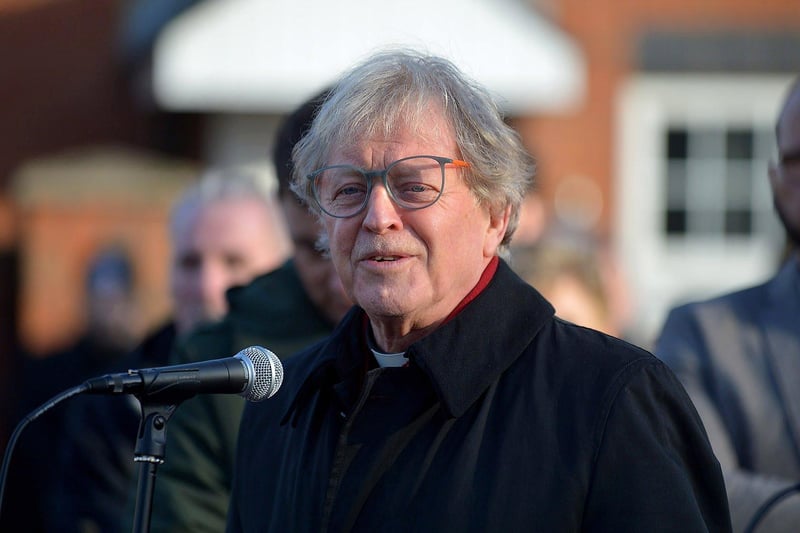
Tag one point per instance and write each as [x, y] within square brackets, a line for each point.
[496, 231]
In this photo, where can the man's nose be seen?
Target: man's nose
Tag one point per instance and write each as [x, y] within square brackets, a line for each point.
[381, 211]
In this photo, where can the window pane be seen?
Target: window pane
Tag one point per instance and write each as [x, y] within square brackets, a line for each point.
[706, 222]
[706, 143]
[738, 185]
[706, 185]
[677, 144]
[738, 222]
[676, 185]
[739, 144]
[675, 222]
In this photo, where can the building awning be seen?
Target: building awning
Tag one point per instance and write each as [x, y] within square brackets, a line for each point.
[267, 56]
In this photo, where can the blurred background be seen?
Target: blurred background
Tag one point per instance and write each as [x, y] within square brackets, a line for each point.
[651, 121]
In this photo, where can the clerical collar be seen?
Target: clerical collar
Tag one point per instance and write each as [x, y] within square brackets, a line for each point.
[384, 359]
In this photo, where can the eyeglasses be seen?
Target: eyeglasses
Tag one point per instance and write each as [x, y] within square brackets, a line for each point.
[415, 182]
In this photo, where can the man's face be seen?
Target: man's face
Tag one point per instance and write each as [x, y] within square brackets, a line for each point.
[415, 265]
[785, 174]
[217, 246]
[316, 271]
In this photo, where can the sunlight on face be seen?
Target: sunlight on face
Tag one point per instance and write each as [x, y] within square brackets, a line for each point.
[410, 268]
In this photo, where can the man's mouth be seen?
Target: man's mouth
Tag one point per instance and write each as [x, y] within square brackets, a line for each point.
[382, 258]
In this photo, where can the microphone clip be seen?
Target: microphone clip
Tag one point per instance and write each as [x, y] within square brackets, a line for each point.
[151, 441]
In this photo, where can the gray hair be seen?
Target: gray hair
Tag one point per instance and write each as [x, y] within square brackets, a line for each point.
[218, 184]
[395, 88]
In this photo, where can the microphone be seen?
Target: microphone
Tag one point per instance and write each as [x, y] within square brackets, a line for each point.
[254, 373]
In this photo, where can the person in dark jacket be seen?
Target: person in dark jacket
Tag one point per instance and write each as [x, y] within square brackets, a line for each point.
[223, 232]
[284, 310]
[450, 398]
[109, 335]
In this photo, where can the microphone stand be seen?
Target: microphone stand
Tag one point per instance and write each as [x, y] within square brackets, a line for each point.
[149, 454]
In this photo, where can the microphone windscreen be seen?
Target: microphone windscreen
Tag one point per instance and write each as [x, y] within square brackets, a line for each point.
[267, 373]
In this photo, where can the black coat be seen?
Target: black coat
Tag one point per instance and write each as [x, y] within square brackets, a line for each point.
[507, 419]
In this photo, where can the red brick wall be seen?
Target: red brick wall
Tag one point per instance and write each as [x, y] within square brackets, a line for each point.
[59, 244]
[62, 79]
[63, 87]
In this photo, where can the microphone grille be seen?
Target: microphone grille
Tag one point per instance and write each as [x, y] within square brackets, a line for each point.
[267, 373]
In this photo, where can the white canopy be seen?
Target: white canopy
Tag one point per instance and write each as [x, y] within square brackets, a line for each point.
[269, 55]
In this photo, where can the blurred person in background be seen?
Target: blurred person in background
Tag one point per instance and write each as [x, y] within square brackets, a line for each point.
[284, 311]
[108, 336]
[738, 355]
[571, 275]
[224, 230]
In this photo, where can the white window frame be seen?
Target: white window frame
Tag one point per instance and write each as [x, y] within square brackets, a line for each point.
[663, 271]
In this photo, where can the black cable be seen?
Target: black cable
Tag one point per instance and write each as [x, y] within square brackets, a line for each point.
[58, 398]
[767, 506]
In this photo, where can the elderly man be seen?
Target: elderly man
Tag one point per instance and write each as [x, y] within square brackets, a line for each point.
[739, 357]
[450, 398]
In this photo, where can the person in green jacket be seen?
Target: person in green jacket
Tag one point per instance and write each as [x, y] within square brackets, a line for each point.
[284, 310]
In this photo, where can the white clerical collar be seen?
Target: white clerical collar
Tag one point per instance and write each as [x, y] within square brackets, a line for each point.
[385, 360]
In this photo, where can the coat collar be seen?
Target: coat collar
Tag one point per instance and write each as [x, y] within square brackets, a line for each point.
[467, 353]
[460, 359]
[251, 296]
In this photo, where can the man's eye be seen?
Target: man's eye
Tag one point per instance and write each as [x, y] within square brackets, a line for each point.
[417, 188]
[350, 190]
